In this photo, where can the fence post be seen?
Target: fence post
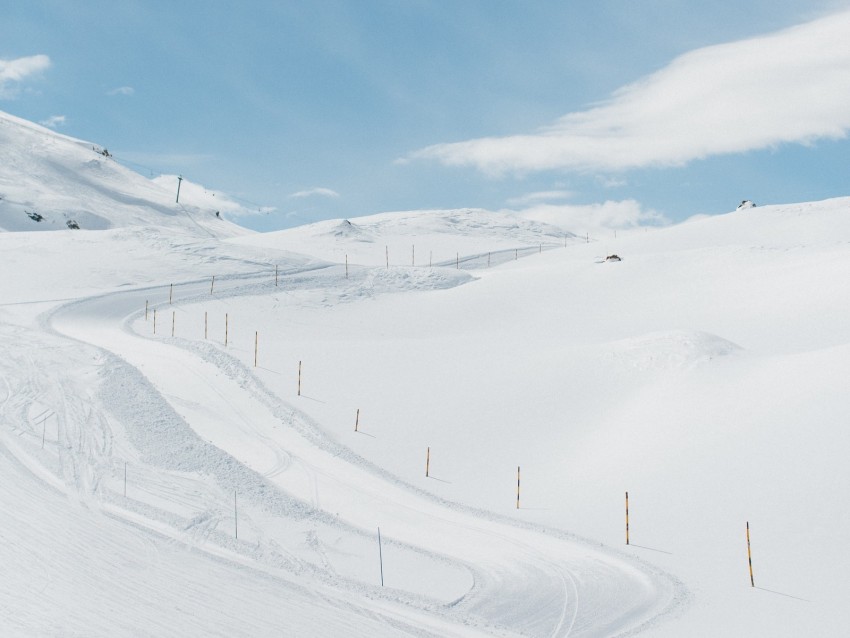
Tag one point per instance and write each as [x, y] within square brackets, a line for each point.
[381, 557]
[517, 486]
[750, 556]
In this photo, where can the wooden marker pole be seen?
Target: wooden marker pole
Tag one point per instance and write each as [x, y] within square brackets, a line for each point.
[154, 320]
[146, 309]
[488, 260]
[275, 274]
[346, 266]
[413, 255]
[206, 325]
[517, 486]
[516, 254]
[256, 343]
[381, 557]
[627, 518]
[457, 261]
[299, 378]
[427, 461]
[750, 556]
[170, 292]
[212, 284]
[541, 249]
[173, 319]
[225, 329]
[387, 251]
[357, 420]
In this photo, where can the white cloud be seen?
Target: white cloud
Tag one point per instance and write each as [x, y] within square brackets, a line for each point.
[321, 192]
[54, 121]
[540, 196]
[122, 90]
[15, 71]
[595, 219]
[790, 86]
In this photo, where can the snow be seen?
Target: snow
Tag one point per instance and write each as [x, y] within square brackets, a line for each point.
[704, 374]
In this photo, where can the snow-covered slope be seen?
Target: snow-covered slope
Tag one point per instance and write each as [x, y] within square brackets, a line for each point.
[202, 437]
[50, 181]
[425, 237]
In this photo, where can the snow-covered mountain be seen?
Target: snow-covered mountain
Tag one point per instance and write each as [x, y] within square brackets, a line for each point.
[50, 181]
[202, 434]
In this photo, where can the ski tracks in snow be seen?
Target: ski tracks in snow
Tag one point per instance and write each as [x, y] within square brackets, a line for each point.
[525, 578]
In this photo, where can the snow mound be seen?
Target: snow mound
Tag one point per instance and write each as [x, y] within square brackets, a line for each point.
[346, 230]
[401, 279]
[671, 350]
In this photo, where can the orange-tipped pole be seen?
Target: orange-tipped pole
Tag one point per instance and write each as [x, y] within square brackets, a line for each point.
[750, 556]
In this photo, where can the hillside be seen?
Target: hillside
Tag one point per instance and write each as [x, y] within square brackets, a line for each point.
[53, 182]
[202, 432]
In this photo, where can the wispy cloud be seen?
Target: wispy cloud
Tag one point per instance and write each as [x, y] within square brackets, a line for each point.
[122, 90]
[54, 121]
[13, 72]
[320, 192]
[538, 197]
[792, 86]
[594, 219]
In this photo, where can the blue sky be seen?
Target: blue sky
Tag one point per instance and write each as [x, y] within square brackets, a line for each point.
[626, 111]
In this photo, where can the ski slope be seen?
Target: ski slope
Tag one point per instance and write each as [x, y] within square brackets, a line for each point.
[164, 482]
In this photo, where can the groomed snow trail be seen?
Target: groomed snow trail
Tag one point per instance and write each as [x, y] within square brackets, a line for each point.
[526, 580]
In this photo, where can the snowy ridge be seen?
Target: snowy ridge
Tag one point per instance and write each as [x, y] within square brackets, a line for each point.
[436, 237]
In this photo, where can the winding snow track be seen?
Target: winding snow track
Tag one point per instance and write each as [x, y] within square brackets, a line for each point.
[527, 581]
